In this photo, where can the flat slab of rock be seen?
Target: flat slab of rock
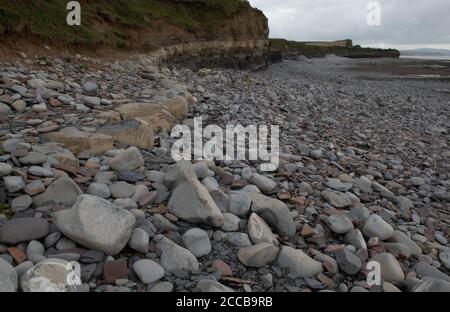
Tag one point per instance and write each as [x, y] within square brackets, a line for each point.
[131, 132]
[79, 141]
[23, 229]
[97, 224]
[155, 115]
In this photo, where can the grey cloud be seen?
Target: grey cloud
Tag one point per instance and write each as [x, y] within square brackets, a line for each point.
[404, 22]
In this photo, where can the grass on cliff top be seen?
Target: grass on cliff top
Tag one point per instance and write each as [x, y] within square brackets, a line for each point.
[106, 21]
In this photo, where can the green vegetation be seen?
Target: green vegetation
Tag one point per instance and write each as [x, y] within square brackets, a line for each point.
[315, 51]
[110, 22]
[5, 210]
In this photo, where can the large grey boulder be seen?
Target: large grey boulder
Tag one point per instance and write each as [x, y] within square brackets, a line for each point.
[96, 224]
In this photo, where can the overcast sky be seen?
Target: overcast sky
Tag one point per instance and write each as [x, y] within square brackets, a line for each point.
[404, 23]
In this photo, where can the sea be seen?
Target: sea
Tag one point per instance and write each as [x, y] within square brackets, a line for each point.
[427, 57]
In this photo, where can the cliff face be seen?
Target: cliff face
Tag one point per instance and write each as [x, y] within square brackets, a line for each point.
[140, 25]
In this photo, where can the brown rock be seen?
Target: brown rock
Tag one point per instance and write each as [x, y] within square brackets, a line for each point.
[222, 267]
[177, 106]
[156, 116]
[114, 270]
[132, 132]
[78, 141]
[17, 254]
[307, 231]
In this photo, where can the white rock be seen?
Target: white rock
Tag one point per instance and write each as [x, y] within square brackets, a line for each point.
[97, 224]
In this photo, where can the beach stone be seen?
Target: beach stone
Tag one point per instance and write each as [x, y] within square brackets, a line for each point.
[19, 230]
[180, 173]
[355, 238]
[14, 184]
[274, 212]
[148, 271]
[197, 241]
[99, 190]
[207, 285]
[90, 88]
[35, 247]
[5, 169]
[230, 222]
[40, 172]
[336, 199]
[8, 277]
[50, 275]
[390, 268]
[259, 231]
[239, 204]
[114, 270]
[444, 257]
[132, 132]
[127, 160]
[298, 263]
[258, 255]
[21, 203]
[262, 182]
[33, 158]
[337, 185]
[375, 226]
[122, 190]
[164, 287]
[96, 224]
[192, 202]
[432, 285]
[402, 238]
[5, 109]
[63, 191]
[339, 223]
[55, 151]
[79, 141]
[425, 270]
[174, 257]
[139, 240]
[157, 116]
[348, 262]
